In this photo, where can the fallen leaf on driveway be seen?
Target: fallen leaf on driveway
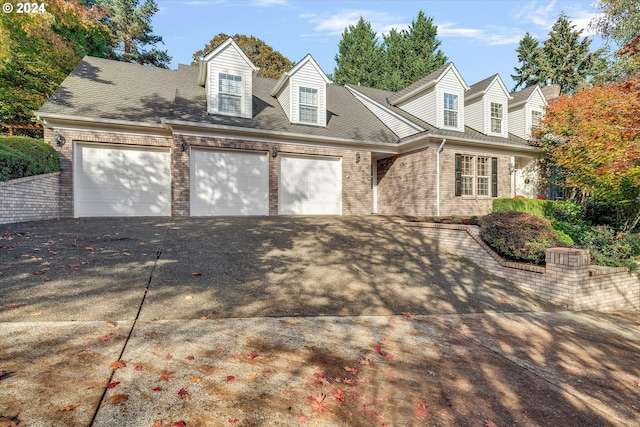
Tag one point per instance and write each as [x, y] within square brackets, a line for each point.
[489, 423]
[119, 398]
[38, 272]
[70, 408]
[196, 273]
[230, 378]
[165, 376]
[112, 384]
[195, 379]
[179, 424]
[119, 364]
[157, 389]
[183, 392]
[112, 324]
[104, 338]
[14, 306]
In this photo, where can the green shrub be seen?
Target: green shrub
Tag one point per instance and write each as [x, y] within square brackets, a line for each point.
[575, 230]
[530, 206]
[612, 249]
[13, 164]
[40, 157]
[519, 236]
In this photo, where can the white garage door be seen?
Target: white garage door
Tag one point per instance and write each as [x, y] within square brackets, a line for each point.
[229, 183]
[121, 181]
[310, 186]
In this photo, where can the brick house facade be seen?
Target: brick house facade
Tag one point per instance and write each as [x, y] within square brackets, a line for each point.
[217, 139]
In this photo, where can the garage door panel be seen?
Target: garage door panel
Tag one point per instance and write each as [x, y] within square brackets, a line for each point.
[121, 181]
[229, 183]
[310, 186]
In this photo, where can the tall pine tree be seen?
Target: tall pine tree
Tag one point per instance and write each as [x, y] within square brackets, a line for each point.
[404, 56]
[529, 57]
[359, 58]
[564, 58]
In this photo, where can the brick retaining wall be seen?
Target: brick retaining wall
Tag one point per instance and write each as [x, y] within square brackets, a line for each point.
[567, 279]
[32, 198]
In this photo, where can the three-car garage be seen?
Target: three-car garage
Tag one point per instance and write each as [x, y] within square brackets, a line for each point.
[121, 180]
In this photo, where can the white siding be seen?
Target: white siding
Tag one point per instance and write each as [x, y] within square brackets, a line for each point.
[474, 113]
[400, 127]
[517, 121]
[423, 106]
[449, 83]
[497, 95]
[307, 76]
[230, 62]
[284, 98]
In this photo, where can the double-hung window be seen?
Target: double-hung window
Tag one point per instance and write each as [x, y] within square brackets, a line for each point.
[535, 119]
[308, 105]
[450, 110]
[496, 117]
[229, 93]
[476, 176]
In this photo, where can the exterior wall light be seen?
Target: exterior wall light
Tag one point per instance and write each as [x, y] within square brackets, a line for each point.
[183, 144]
[357, 157]
[59, 139]
[274, 151]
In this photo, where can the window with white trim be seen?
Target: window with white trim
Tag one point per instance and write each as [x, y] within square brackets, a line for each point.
[467, 175]
[451, 110]
[483, 176]
[308, 108]
[476, 175]
[536, 116]
[229, 93]
[496, 117]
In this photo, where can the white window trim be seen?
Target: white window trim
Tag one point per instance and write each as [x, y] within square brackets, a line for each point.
[492, 118]
[475, 176]
[215, 107]
[445, 110]
[316, 106]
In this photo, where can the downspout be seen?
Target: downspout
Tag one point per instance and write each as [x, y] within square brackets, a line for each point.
[444, 140]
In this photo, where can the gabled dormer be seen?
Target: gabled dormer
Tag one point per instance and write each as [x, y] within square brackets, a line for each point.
[486, 107]
[438, 98]
[302, 93]
[526, 108]
[227, 75]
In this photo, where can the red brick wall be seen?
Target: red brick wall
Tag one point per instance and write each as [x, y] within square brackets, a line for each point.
[407, 184]
[356, 176]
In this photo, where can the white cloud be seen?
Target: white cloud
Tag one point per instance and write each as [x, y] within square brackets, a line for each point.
[267, 3]
[490, 35]
[335, 24]
[544, 14]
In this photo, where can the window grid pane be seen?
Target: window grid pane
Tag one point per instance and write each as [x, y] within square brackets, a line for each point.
[483, 176]
[230, 96]
[467, 175]
[496, 117]
[535, 118]
[308, 96]
[229, 104]
[308, 114]
[230, 84]
[450, 110]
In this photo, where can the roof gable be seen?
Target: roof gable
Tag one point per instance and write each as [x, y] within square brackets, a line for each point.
[228, 44]
[484, 86]
[307, 60]
[525, 95]
[427, 82]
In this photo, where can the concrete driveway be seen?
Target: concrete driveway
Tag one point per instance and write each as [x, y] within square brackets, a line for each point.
[266, 321]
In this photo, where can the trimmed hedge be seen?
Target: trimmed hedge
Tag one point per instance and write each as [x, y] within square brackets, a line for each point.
[21, 156]
[558, 210]
[519, 236]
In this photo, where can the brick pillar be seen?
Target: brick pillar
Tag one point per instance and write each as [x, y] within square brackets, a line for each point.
[568, 271]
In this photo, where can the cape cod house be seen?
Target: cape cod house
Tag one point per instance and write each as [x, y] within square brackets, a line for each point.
[216, 139]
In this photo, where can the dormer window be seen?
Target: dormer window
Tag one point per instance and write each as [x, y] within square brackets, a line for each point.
[536, 116]
[230, 94]
[308, 105]
[451, 110]
[496, 117]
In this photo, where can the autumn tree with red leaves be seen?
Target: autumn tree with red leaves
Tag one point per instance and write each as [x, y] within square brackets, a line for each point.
[593, 136]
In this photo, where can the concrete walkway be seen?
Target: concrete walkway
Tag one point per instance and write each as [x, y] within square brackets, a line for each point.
[289, 321]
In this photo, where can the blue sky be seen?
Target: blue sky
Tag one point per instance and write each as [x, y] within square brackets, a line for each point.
[480, 37]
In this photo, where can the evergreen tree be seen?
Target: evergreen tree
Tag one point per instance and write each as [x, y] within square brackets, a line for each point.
[411, 54]
[566, 60]
[272, 63]
[132, 38]
[529, 57]
[359, 58]
[563, 59]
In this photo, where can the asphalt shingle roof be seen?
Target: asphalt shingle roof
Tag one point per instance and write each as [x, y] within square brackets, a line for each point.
[105, 89]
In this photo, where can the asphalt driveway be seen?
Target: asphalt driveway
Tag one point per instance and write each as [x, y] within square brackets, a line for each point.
[310, 321]
[98, 269]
